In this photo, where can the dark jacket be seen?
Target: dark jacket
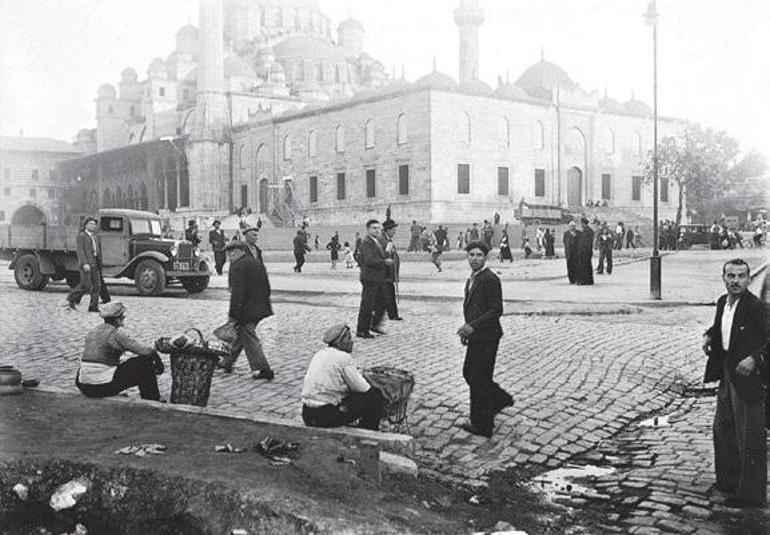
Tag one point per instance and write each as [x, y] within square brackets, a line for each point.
[570, 244]
[217, 240]
[483, 306]
[249, 289]
[392, 269]
[373, 265]
[85, 250]
[300, 243]
[747, 337]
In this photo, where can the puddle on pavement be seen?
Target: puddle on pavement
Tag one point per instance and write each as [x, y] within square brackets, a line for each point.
[560, 483]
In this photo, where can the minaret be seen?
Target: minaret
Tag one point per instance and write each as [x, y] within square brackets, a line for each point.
[469, 17]
[207, 147]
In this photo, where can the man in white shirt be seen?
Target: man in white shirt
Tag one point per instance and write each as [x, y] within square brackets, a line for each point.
[334, 392]
[735, 346]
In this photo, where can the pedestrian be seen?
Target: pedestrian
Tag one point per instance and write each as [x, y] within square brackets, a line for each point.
[334, 392]
[539, 235]
[435, 254]
[620, 232]
[101, 373]
[88, 247]
[357, 250]
[505, 247]
[460, 241]
[249, 303]
[638, 237]
[334, 249]
[474, 234]
[527, 248]
[300, 249]
[218, 240]
[481, 333]
[548, 240]
[441, 235]
[735, 344]
[374, 265]
[606, 241]
[425, 239]
[630, 239]
[414, 237]
[487, 232]
[350, 260]
[191, 233]
[317, 242]
[391, 282]
[570, 241]
[585, 243]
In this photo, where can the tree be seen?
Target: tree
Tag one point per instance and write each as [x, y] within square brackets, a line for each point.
[699, 161]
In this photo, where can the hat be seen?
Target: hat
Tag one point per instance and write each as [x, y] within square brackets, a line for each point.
[112, 310]
[335, 333]
[235, 244]
[249, 229]
[191, 222]
[389, 224]
[217, 222]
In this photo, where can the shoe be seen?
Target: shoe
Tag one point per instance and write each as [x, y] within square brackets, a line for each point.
[93, 309]
[474, 430]
[68, 305]
[266, 375]
[505, 405]
[397, 318]
[363, 335]
[378, 330]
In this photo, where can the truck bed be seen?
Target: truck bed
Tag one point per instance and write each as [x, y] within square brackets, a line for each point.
[46, 237]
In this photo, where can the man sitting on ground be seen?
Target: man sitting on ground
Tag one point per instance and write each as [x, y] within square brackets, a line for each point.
[335, 393]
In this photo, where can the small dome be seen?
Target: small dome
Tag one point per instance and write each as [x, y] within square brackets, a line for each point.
[157, 69]
[436, 80]
[637, 107]
[351, 24]
[128, 75]
[187, 39]
[107, 91]
[510, 91]
[235, 66]
[611, 105]
[541, 79]
[476, 87]
[308, 48]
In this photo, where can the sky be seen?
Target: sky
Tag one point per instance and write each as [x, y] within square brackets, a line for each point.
[712, 54]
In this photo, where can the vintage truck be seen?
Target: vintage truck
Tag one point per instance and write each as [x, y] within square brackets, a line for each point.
[132, 247]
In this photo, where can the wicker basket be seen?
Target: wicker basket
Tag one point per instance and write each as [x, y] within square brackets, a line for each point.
[396, 386]
[191, 375]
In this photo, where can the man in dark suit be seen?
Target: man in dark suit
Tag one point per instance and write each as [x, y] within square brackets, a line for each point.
[735, 347]
[89, 251]
[249, 303]
[374, 270]
[388, 232]
[570, 251]
[584, 271]
[218, 240]
[481, 333]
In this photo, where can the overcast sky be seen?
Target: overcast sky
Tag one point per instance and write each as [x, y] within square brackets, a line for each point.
[713, 63]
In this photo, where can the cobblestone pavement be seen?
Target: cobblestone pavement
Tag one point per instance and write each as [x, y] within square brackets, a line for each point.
[579, 381]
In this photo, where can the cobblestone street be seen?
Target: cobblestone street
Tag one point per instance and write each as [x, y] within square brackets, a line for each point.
[581, 378]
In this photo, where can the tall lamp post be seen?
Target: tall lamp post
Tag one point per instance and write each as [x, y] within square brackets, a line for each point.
[651, 18]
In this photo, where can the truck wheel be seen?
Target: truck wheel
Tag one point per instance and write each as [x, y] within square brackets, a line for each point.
[27, 273]
[195, 285]
[149, 278]
[73, 279]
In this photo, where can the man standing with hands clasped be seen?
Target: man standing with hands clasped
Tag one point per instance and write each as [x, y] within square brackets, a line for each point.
[481, 333]
[89, 251]
[734, 345]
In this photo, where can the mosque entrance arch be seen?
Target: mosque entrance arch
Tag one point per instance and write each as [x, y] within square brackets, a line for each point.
[574, 187]
[28, 215]
[263, 196]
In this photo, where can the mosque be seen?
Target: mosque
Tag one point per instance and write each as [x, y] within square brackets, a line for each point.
[261, 107]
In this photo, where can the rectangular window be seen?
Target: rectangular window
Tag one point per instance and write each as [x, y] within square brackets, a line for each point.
[371, 190]
[539, 182]
[244, 196]
[403, 180]
[340, 186]
[162, 91]
[636, 188]
[2, 215]
[313, 189]
[463, 178]
[33, 192]
[35, 174]
[502, 181]
[606, 186]
[112, 224]
[663, 190]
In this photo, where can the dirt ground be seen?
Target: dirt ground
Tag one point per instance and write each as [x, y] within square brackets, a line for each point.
[47, 439]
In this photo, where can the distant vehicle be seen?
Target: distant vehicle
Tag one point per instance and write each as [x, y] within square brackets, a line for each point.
[132, 247]
[694, 234]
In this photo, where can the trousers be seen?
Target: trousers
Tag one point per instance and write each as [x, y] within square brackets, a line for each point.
[487, 397]
[136, 371]
[605, 253]
[90, 283]
[392, 304]
[373, 303]
[219, 261]
[366, 406]
[248, 341]
[299, 256]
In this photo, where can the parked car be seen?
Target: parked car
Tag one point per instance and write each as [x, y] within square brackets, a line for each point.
[694, 234]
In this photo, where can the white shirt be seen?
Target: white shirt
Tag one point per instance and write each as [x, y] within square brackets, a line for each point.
[331, 375]
[727, 322]
[93, 241]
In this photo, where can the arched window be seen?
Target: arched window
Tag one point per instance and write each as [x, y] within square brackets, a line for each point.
[242, 156]
[287, 147]
[504, 132]
[369, 134]
[539, 135]
[465, 127]
[402, 134]
[609, 141]
[339, 139]
[312, 144]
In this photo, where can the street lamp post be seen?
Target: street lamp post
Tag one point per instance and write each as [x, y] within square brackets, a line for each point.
[651, 17]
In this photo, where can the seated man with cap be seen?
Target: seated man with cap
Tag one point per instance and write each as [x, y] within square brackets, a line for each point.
[101, 373]
[335, 393]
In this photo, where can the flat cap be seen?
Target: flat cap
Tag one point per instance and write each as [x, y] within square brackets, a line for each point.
[334, 333]
[389, 224]
[112, 310]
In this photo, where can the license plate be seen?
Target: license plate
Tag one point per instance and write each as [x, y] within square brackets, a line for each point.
[182, 266]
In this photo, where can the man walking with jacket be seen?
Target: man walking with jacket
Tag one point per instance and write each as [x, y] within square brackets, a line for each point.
[249, 303]
[374, 265]
[218, 240]
[89, 250]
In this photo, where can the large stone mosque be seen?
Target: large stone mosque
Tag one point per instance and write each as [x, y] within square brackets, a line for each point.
[261, 107]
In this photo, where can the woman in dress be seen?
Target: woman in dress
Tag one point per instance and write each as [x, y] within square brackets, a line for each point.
[505, 248]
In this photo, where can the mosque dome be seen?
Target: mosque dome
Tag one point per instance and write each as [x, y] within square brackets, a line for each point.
[436, 80]
[510, 91]
[236, 66]
[106, 91]
[128, 75]
[187, 39]
[308, 48]
[157, 69]
[637, 107]
[476, 87]
[541, 79]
